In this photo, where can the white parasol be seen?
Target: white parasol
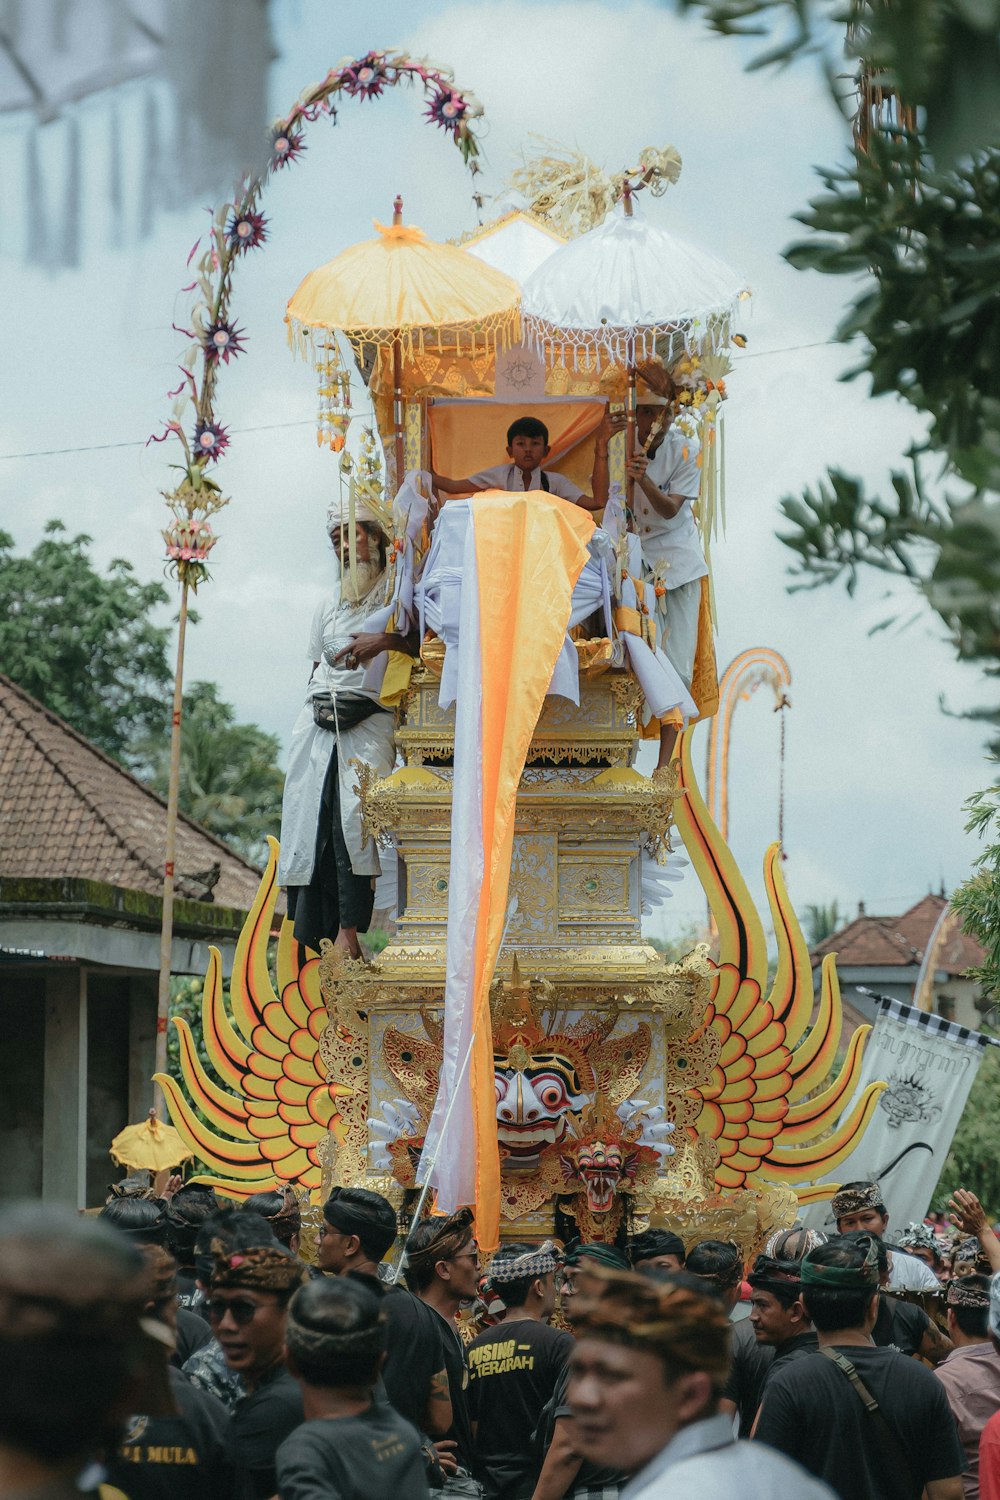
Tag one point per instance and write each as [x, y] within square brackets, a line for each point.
[626, 291]
[622, 286]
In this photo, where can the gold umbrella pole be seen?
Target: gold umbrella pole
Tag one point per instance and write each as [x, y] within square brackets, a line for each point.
[630, 443]
[170, 853]
[398, 416]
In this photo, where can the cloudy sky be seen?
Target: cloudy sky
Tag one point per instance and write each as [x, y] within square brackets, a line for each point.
[875, 773]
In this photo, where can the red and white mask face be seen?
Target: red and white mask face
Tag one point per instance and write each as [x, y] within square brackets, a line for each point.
[531, 1108]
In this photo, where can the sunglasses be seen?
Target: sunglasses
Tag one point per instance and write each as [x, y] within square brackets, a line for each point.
[241, 1310]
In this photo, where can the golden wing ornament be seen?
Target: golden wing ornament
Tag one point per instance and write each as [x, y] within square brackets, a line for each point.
[761, 1064]
[264, 1115]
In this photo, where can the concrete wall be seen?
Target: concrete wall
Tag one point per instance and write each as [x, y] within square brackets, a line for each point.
[76, 1062]
[22, 1076]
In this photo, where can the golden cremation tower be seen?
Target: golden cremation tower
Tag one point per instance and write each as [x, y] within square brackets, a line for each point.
[600, 1046]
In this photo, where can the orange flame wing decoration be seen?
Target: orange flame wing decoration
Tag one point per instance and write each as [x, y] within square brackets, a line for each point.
[769, 1102]
[267, 1111]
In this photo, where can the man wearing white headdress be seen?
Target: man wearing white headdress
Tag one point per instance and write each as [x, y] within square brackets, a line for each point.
[327, 866]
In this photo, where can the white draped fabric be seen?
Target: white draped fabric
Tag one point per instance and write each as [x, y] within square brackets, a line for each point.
[450, 1169]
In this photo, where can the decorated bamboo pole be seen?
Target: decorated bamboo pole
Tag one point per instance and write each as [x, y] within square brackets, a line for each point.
[169, 858]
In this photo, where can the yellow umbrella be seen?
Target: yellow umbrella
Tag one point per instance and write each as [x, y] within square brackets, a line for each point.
[151, 1146]
[405, 292]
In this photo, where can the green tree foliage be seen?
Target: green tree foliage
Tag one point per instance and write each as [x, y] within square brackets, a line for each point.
[941, 55]
[185, 1003]
[822, 922]
[978, 900]
[83, 642]
[230, 779]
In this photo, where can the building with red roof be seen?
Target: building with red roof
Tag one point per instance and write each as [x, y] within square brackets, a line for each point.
[885, 955]
[81, 870]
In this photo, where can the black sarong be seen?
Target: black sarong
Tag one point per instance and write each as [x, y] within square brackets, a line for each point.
[335, 897]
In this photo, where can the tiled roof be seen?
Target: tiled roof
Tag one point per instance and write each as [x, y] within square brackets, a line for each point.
[881, 942]
[67, 809]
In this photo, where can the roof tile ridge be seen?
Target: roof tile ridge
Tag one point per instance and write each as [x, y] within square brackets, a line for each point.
[79, 792]
[109, 760]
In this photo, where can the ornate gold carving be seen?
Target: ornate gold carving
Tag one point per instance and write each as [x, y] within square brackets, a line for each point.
[379, 803]
[681, 995]
[348, 986]
[627, 695]
[592, 891]
[415, 1062]
[533, 882]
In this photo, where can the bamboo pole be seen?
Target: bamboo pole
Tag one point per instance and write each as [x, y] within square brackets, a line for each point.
[169, 857]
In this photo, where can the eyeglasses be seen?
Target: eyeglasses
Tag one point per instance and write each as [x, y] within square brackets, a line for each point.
[241, 1310]
[466, 1255]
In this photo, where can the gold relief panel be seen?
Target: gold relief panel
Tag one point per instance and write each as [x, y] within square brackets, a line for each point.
[533, 881]
[426, 888]
[592, 887]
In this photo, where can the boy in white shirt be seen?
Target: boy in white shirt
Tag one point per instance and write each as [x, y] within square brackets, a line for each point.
[527, 450]
[667, 480]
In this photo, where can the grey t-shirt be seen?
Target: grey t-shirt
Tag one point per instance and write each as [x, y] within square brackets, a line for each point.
[353, 1458]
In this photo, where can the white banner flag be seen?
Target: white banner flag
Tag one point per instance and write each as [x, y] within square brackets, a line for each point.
[930, 1065]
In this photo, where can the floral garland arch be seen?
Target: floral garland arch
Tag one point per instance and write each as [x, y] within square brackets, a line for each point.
[237, 228]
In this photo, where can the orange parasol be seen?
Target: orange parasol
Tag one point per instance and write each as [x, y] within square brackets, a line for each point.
[406, 293]
[151, 1146]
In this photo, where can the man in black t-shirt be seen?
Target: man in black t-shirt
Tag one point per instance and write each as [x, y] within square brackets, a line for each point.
[513, 1369]
[183, 1455]
[251, 1284]
[73, 1345]
[777, 1315]
[903, 1325]
[351, 1446]
[359, 1229]
[442, 1270]
[814, 1412]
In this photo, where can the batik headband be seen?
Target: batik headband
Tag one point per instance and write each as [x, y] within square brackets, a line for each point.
[768, 1271]
[261, 1269]
[855, 1200]
[968, 1250]
[918, 1236]
[605, 1255]
[969, 1291]
[537, 1262]
[844, 1278]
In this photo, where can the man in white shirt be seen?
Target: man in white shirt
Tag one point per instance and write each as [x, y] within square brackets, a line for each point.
[527, 450]
[859, 1205]
[667, 479]
[645, 1376]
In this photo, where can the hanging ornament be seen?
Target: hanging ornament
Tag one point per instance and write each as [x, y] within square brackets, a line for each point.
[334, 415]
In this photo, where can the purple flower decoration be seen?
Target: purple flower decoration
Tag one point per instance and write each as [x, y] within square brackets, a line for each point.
[447, 109]
[286, 146]
[223, 341]
[367, 77]
[210, 440]
[245, 231]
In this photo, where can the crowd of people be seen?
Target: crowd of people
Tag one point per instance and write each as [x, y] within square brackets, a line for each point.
[182, 1349]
